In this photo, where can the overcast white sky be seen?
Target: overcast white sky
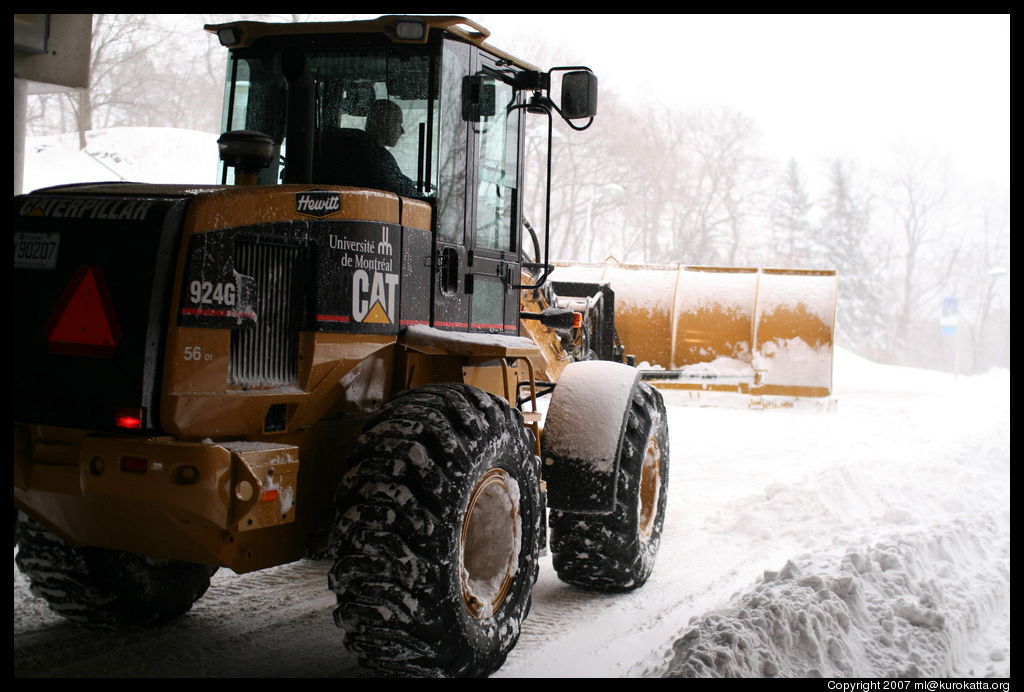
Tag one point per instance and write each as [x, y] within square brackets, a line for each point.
[816, 85]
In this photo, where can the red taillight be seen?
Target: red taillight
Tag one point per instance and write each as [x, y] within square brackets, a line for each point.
[268, 496]
[128, 418]
[133, 464]
[83, 323]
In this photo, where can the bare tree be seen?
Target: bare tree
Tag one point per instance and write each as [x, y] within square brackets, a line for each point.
[120, 70]
[918, 194]
[982, 283]
[646, 164]
[717, 183]
[683, 185]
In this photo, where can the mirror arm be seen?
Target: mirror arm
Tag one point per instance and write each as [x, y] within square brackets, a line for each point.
[578, 128]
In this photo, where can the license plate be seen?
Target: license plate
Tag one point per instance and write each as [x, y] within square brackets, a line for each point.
[36, 250]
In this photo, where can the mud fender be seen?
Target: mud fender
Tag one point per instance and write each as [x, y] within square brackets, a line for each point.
[583, 435]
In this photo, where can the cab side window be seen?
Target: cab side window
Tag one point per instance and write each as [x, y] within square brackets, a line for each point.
[498, 172]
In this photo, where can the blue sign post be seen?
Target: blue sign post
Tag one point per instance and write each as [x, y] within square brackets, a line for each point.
[948, 323]
[950, 315]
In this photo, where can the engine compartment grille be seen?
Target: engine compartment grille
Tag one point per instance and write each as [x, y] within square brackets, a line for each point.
[265, 355]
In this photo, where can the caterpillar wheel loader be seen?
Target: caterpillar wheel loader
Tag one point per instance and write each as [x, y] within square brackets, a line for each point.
[336, 352]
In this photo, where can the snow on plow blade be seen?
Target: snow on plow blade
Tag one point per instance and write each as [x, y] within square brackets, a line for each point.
[765, 333]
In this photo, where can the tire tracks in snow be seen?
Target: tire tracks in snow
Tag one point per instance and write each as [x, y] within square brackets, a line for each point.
[274, 623]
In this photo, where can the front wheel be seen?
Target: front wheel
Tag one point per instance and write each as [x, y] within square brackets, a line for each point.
[438, 529]
[616, 551]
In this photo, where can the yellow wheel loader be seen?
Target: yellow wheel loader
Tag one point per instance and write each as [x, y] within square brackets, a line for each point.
[336, 352]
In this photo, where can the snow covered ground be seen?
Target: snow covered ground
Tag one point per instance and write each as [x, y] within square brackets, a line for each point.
[871, 540]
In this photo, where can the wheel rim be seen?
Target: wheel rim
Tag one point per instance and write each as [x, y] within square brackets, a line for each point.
[491, 540]
[650, 488]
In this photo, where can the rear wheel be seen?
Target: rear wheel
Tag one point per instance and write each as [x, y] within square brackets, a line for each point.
[106, 588]
[437, 534]
[616, 551]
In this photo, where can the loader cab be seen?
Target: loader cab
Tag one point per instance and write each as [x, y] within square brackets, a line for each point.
[420, 107]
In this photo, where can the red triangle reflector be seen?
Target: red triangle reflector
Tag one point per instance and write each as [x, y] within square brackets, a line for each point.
[84, 323]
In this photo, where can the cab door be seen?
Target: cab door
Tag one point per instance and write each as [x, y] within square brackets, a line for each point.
[450, 259]
[496, 211]
[478, 210]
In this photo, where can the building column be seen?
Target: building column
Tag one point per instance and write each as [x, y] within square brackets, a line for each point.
[20, 115]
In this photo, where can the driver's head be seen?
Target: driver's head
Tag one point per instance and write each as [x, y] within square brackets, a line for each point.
[384, 123]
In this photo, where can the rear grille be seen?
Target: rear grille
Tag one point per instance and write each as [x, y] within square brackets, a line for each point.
[266, 355]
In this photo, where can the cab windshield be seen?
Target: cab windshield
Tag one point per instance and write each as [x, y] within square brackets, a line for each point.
[374, 119]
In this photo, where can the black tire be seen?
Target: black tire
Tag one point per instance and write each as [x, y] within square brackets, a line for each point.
[616, 552]
[430, 466]
[106, 588]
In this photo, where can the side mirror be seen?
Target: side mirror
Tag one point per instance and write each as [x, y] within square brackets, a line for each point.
[579, 94]
[478, 98]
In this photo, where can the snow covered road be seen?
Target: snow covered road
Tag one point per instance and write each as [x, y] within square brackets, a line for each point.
[871, 541]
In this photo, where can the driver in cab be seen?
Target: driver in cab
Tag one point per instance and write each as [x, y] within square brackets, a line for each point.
[361, 158]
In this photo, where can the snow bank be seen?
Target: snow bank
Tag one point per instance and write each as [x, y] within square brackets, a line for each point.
[903, 607]
[136, 154]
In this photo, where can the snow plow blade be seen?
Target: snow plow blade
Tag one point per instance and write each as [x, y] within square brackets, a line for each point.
[763, 333]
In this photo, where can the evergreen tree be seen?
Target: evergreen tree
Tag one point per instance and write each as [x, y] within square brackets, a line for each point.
[792, 238]
[843, 236]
